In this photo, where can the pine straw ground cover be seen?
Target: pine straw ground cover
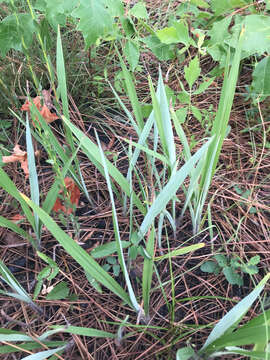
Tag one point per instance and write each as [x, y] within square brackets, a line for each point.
[239, 193]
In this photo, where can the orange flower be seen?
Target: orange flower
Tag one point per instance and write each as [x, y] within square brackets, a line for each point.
[74, 196]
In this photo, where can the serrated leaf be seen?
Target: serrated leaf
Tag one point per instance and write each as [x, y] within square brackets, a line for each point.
[181, 114]
[59, 292]
[132, 53]
[95, 20]
[196, 112]
[139, 11]
[55, 11]
[192, 71]
[13, 29]
[162, 51]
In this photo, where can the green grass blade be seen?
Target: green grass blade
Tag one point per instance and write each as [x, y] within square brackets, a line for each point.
[92, 151]
[233, 317]
[44, 354]
[81, 256]
[78, 330]
[9, 187]
[33, 178]
[117, 233]
[181, 251]
[132, 94]
[169, 191]
[8, 277]
[14, 227]
[148, 272]
[61, 74]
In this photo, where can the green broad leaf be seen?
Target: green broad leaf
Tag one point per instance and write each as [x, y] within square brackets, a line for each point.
[250, 269]
[139, 11]
[200, 3]
[221, 260]
[95, 20]
[16, 32]
[261, 79]
[256, 38]
[196, 112]
[183, 97]
[192, 71]
[186, 353]
[183, 33]
[132, 53]
[254, 260]
[168, 35]
[232, 277]
[210, 267]
[181, 115]
[178, 33]
[108, 249]
[77, 330]
[228, 323]
[55, 11]
[59, 292]
[162, 51]
[218, 34]
[220, 7]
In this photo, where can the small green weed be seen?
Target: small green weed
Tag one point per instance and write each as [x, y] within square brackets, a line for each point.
[231, 267]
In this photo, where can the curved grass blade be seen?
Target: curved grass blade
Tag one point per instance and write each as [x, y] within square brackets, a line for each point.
[121, 258]
[81, 256]
[169, 190]
[92, 151]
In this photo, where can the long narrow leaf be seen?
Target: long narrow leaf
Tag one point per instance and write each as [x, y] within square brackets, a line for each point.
[170, 189]
[33, 178]
[78, 254]
[233, 317]
[117, 233]
[92, 151]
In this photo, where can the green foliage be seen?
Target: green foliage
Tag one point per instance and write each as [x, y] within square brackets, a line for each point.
[59, 292]
[227, 336]
[16, 32]
[96, 18]
[231, 267]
